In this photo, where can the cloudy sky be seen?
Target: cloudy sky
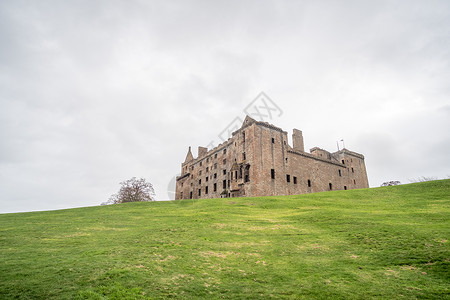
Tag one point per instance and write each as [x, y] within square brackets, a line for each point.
[95, 92]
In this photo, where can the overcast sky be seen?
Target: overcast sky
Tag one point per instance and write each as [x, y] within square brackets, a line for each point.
[95, 92]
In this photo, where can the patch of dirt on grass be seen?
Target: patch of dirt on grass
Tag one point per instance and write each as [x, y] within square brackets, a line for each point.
[216, 254]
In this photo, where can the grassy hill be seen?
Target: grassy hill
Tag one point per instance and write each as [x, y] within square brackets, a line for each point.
[387, 242]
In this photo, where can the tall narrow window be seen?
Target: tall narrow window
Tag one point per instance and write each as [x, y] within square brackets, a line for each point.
[206, 179]
[331, 186]
[199, 181]
[273, 140]
[199, 192]
[206, 190]
[345, 187]
[343, 162]
[272, 173]
[224, 151]
[353, 171]
[235, 175]
[243, 156]
[224, 185]
[225, 172]
[295, 180]
[309, 182]
[243, 136]
[215, 187]
[288, 178]
[190, 195]
[354, 181]
[340, 174]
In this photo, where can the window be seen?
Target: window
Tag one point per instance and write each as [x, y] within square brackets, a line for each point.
[243, 136]
[331, 186]
[215, 175]
[224, 151]
[206, 179]
[288, 178]
[243, 156]
[247, 174]
[207, 169]
[224, 184]
[190, 195]
[200, 164]
[284, 142]
[340, 174]
[272, 173]
[309, 182]
[273, 141]
[353, 171]
[224, 161]
[224, 172]
[191, 183]
[343, 162]
[206, 190]
[345, 187]
[295, 180]
[215, 187]
[228, 183]
[215, 155]
[200, 172]
[231, 175]
[182, 184]
[207, 160]
[199, 192]
[354, 181]
[235, 175]
[199, 181]
[286, 159]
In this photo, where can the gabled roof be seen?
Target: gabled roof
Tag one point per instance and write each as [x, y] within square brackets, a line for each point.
[248, 121]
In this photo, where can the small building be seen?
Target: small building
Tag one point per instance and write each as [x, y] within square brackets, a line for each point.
[258, 161]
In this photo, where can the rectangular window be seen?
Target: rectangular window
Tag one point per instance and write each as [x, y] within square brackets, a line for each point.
[273, 141]
[340, 174]
[224, 185]
[206, 190]
[343, 162]
[243, 136]
[207, 160]
[309, 183]
[224, 151]
[215, 187]
[330, 186]
[190, 195]
[200, 164]
[215, 175]
[345, 187]
[353, 171]
[295, 180]
[207, 169]
[272, 173]
[225, 172]
[215, 155]
[199, 192]
[206, 179]
[288, 178]
[235, 175]
[199, 181]
[243, 156]
[228, 183]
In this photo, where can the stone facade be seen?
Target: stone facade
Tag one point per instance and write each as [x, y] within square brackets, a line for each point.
[258, 161]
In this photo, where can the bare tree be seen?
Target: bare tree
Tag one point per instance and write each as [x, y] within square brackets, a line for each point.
[423, 179]
[133, 190]
[391, 183]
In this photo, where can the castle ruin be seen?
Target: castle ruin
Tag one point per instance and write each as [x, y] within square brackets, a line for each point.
[258, 161]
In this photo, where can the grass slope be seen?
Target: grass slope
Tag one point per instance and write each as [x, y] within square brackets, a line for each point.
[375, 243]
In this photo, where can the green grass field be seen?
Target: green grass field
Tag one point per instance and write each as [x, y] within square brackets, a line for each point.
[374, 243]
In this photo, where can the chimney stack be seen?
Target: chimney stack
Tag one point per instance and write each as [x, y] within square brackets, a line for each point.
[297, 140]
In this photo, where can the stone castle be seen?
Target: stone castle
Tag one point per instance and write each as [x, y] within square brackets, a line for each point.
[258, 161]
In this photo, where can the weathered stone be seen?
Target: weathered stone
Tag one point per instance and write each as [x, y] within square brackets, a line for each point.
[245, 164]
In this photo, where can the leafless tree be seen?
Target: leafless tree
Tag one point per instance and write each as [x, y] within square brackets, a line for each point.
[391, 183]
[423, 179]
[133, 190]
